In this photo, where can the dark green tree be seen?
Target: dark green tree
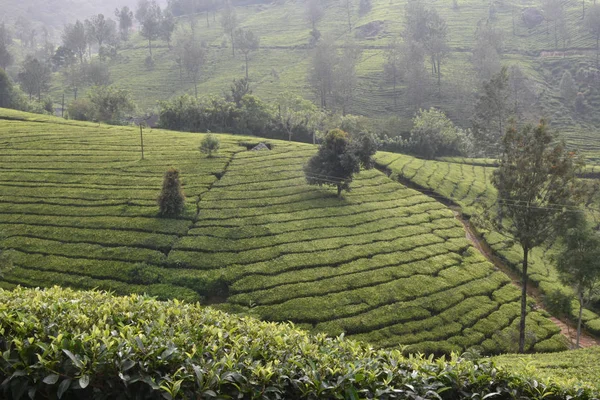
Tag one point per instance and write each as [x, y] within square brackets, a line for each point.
[171, 201]
[125, 16]
[579, 265]
[338, 159]
[239, 88]
[537, 184]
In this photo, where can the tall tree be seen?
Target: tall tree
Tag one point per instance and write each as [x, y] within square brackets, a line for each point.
[345, 76]
[321, 75]
[536, 183]
[416, 77]
[125, 18]
[101, 29]
[487, 50]
[149, 15]
[246, 42]
[74, 37]
[568, 88]
[6, 58]
[193, 58]
[34, 77]
[229, 22]
[578, 264]
[492, 111]
[314, 12]
[592, 23]
[436, 42]
[392, 68]
[167, 27]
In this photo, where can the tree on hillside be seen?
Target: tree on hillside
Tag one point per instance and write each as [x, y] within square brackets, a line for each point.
[392, 67]
[34, 77]
[416, 77]
[74, 37]
[246, 42]
[125, 18]
[554, 12]
[7, 93]
[102, 29]
[434, 135]
[345, 76]
[295, 112]
[171, 202]
[578, 264]
[321, 74]
[149, 15]
[229, 22]
[314, 12]
[167, 27]
[568, 88]
[209, 145]
[97, 73]
[492, 111]
[238, 89]
[6, 58]
[436, 42]
[109, 104]
[416, 20]
[537, 184]
[338, 159]
[487, 50]
[193, 58]
[592, 23]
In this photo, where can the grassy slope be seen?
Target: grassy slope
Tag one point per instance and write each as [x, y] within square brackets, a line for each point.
[470, 187]
[385, 264]
[283, 60]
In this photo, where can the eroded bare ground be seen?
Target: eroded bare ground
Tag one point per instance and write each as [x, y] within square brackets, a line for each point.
[567, 329]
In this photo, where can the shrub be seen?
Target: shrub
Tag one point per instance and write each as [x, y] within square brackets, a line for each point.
[80, 110]
[210, 144]
[434, 135]
[146, 349]
[171, 201]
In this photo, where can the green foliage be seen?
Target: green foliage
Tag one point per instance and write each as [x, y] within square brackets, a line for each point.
[210, 144]
[338, 159]
[104, 104]
[177, 350]
[434, 135]
[171, 201]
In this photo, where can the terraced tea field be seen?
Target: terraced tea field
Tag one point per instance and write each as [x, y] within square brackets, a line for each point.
[467, 183]
[386, 264]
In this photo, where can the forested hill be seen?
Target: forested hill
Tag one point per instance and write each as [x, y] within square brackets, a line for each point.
[541, 40]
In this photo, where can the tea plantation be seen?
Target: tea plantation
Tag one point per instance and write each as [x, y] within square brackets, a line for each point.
[145, 349]
[386, 264]
[467, 183]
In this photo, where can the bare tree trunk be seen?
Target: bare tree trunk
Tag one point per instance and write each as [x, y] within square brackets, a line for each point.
[246, 57]
[232, 44]
[150, 47]
[523, 301]
[339, 190]
[196, 87]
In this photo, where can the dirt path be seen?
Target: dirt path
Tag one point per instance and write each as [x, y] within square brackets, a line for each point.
[480, 244]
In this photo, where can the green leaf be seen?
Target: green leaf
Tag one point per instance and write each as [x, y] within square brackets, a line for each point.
[84, 381]
[73, 358]
[63, 387]
[51, 379]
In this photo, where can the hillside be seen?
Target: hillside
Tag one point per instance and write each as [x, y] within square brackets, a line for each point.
[283, 60]
[466, 183]
[173, 350]
[386, 264]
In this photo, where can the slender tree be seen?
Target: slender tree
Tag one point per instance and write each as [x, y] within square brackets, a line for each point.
[125, 18]
[392, 68]
[345, 81]
[487, 50]
[6, 58]
[314, 12]
[579, 265]
[246, 42]
[321, 73]
[568, 88]
[102, 29]
[150, 16]
[229, 22]
[193, 58]
[536, 183]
